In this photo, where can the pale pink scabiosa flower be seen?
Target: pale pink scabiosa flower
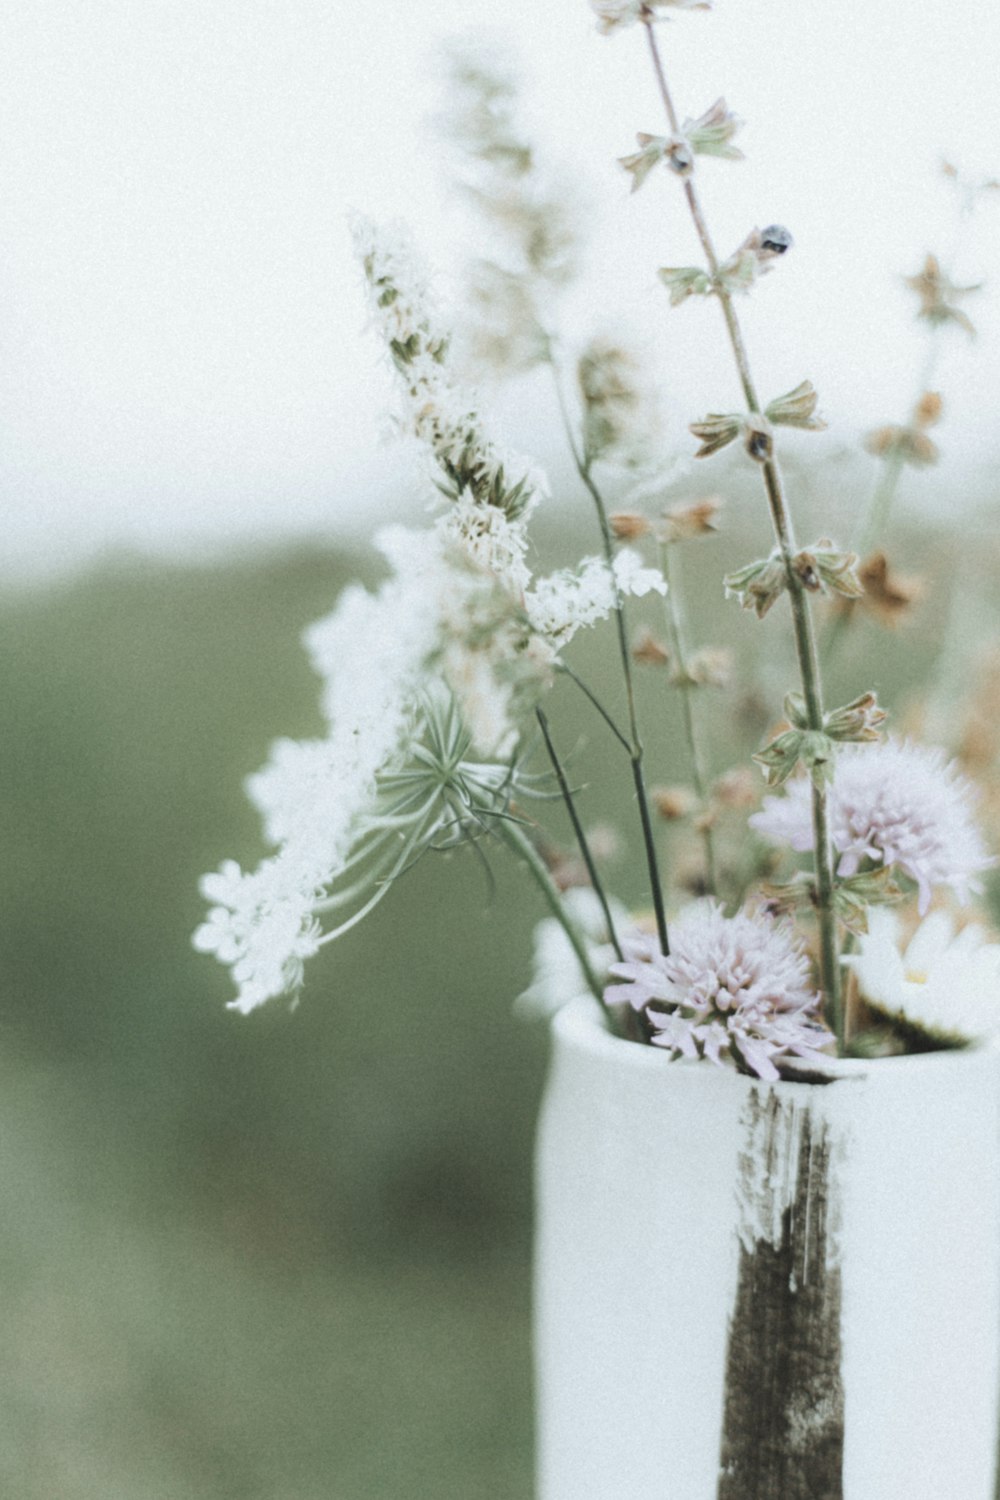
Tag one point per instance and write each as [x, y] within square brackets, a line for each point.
[894, 803]
[732, 987]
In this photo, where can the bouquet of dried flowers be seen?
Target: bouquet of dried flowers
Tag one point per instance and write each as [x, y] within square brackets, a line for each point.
[435, 684]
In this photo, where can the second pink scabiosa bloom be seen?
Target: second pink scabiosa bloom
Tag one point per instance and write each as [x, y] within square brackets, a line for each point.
[893, 803]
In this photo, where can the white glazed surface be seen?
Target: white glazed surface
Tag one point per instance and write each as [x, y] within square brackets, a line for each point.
[637, 1250]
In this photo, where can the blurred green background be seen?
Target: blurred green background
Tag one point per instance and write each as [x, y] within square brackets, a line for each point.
[284, 1256]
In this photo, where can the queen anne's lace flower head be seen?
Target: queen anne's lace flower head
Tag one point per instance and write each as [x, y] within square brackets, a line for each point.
[562, 603]
[732, 987]
[894, 803]
[948, 984]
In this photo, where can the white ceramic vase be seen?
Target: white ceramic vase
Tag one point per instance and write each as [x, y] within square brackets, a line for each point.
[750, 1291]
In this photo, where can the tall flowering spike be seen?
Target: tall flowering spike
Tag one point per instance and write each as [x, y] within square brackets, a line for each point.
[893, 804]
[437, 411]
[734, 989]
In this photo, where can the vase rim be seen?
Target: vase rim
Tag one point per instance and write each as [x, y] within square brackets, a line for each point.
[582, 1022]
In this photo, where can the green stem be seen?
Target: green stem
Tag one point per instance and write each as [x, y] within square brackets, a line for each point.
[675, 627]
[805, 641]
[596, 702]
[581, 837]
[516, 839]
[583, 465]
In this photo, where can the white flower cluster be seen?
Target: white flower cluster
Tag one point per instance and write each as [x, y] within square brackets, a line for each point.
[565, 602]
[317, 798]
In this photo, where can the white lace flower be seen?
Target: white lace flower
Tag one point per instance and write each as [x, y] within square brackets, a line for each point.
[732, 987]
[262, 924]
[562, 603]
[946, 983]
[633, 577]
[894, 803]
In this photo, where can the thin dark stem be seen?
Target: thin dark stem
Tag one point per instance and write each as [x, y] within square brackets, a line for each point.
[805, 641]
[593, 699]
[583, 467]
[581, 837]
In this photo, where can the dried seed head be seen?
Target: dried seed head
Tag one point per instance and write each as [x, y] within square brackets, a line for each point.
[888, 595]
[939, 296]
[911, 445]
[649, 650]
[711, 666]
[674, 802]
[629, 525]
[682, 522]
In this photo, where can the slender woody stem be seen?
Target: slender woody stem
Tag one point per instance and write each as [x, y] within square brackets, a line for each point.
[805, 641]
[581, 837]
[514, 836]
[687, 688]
[584, 468]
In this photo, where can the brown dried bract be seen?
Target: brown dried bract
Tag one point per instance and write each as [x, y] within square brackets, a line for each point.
[888, 595]
[682, 522]
[674, 802]
[649, 650]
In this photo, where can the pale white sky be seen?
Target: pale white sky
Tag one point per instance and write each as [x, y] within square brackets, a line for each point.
[184, 361]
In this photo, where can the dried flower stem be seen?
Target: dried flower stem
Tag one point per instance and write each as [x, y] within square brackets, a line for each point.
[581, 837]
[876, 515]
[518, 841]
[687, 687]
[584, 468]
[805, 640]
[675, 627]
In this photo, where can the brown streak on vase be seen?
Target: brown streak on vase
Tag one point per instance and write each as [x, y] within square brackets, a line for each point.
[783, 1422]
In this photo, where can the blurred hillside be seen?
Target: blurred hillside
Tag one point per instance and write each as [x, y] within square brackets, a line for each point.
[284, 1256]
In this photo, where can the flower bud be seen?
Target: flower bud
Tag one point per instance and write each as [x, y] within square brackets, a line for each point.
[758, 438]
[774, 240]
